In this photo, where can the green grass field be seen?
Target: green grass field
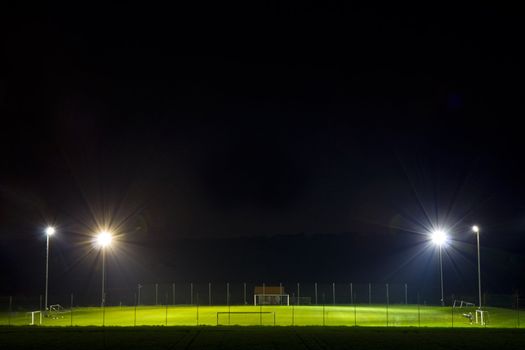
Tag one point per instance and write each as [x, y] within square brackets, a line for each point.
[361, 315]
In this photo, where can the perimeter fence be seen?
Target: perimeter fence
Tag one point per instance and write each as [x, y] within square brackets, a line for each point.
[188, 303]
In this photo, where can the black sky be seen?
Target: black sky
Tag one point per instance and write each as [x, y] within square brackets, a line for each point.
[228, 121]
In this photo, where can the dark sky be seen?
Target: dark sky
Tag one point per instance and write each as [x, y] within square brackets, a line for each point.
[260, 120]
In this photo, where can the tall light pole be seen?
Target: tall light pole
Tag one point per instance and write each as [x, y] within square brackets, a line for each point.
[103, 240]
[475, 229]
[440, 238]
[49, 232]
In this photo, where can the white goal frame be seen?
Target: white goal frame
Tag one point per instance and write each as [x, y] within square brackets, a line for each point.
[481, 317]
[283, 298]
[33, 313]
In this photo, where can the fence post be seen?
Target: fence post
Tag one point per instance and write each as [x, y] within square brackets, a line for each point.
[228, 293]
[298, 294]
[71, 309]
[260, 304]
[197, 308]
[369, 293]
[245, 302]
[418, 312]
[323, 309]
[280, 292]
[351, 293]
[166, 309]
[452, 313]
[135, 311]
[333, 293]
[10, 310]
[518, 306]
[406, 294]
[315, 290]
[228, 301]
[191, 293]
[156, 294]
[209, 293]
[387, 303]
[40, 302]
[173, 293]
[355, 316]
[293, 314]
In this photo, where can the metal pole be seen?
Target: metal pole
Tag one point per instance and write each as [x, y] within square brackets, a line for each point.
[135, 311]
[315, 285]
[191, 293]
[138, 287]
[209, 293]
[244, 293]
[441, 273]
[406, 294]
[10, 310]
[166, 309]
[387, 303]
[333, 292]
[228, 293]
[103, 301]
[228, 301]
[479, 271]
[156, 294]
[369, 293]
[351, 293]
[173, 292]
[71, 309]
[418, 312]
[103, 286]
[47, 268]
[298, 294]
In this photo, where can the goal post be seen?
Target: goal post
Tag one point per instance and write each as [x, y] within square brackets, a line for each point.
[482, 317]
[36, 317]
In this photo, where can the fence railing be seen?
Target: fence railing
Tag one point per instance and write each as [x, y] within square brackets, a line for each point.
[337, 304]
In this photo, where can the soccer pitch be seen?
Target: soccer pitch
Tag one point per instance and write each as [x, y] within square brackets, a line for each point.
[359, 315]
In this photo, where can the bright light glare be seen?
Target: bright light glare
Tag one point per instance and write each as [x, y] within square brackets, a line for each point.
[50, 231]
[439, 237]
[104, 239]
[475, 228]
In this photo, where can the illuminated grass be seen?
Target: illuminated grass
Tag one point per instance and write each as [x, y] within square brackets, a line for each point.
[361, 315]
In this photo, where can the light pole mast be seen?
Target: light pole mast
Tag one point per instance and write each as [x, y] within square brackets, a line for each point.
[440, 238]
[476, 230]
[441, 273]
[103, 276]
[49, 232]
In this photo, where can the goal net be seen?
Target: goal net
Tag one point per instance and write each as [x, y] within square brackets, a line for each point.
[271, 299]
[56, 311]
[270, 295]
[461, 304]
[35, 317]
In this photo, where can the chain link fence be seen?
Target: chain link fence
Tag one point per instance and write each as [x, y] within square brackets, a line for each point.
[212, 303]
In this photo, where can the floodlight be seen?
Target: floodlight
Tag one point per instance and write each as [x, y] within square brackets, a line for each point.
[475, 229]
[439, 237]
[104, 239]
[50, 230]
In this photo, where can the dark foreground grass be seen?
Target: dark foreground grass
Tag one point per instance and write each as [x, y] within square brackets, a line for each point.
[92, 338]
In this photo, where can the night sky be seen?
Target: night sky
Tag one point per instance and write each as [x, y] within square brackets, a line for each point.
[326, 141]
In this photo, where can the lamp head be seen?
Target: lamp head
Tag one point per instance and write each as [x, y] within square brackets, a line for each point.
[104, 239]
[50, 230]
[439, 237]
[475, 229]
